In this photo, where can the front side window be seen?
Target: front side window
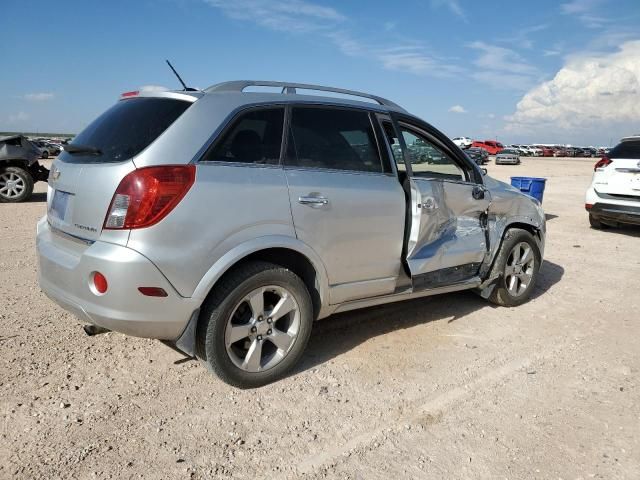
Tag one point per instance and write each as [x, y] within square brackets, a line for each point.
[428, 160]
[255, 137]
[332, 138]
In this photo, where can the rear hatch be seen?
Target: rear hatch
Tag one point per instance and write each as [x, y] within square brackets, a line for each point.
[85, 176]
[621, 177]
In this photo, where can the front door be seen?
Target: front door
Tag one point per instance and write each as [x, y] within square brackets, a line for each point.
[346, 203]
[446, 241]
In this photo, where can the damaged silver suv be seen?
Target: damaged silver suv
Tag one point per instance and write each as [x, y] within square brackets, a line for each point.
[226, 221]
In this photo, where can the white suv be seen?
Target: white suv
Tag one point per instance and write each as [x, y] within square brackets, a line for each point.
[463, 142]
[614, 194]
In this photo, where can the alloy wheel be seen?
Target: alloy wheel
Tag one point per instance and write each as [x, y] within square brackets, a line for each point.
[11, 185]
[519, 269]
[262, 328]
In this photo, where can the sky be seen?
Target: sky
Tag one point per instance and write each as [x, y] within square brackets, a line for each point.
[522, 72]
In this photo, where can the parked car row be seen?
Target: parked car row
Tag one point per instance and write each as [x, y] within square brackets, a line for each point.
[493, 147]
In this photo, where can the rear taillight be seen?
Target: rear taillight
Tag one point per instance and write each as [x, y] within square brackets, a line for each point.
[603, 162]
[145, 196]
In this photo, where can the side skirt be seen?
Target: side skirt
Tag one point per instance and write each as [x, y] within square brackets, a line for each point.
[408, 294]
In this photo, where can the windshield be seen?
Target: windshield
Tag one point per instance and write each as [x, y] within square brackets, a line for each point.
[125, 129]
[508, 150]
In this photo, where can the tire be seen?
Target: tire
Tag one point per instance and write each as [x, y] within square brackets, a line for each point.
[232, 356]
[45, 154]
[16, 184]
[507, 266]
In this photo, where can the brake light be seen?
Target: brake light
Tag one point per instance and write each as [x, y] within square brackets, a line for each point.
[603, 162]
[133, 93]
[147, 195]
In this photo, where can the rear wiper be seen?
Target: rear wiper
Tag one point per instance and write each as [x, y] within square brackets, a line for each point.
[74, 148]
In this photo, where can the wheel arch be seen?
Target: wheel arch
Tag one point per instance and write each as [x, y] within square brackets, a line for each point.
[487, 271]
[15, 162]
[285, 251]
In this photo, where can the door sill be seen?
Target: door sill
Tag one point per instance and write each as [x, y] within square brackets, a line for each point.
[406, 294]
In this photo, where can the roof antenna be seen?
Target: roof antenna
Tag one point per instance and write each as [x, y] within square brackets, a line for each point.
[186, 89]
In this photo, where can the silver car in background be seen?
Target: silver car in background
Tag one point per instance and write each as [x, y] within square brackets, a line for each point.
[225, 222]
[508, 156]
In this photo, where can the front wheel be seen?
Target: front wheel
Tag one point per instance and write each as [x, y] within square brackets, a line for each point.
[518, 262]
[16, 184]
[255, 325]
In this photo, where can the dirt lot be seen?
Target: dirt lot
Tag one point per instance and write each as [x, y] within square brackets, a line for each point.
[443, 387]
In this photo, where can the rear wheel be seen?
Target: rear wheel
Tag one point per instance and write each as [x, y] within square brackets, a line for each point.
[45, 154]
[518, 262]
[16, 185]
[255, 325]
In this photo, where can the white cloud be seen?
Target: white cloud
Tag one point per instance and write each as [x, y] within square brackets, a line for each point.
[502, 67]
[38, 97]
[415, 60]
[305, 17]
[595, 94]
[457, 109]
[453, 6]
[583, 10]
[281, 15]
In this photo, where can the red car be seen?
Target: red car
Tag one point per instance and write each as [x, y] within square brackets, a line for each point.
[490, 146]
[547, 151]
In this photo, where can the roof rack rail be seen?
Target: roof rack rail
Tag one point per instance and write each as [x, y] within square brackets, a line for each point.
[290, 88]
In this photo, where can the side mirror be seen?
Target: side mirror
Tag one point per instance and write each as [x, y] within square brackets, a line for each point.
[484, 171]
[478, 192]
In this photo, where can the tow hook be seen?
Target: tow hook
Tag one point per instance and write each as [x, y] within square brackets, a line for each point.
[92, 330]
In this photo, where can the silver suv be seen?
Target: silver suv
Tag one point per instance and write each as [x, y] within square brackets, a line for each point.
[226, 221]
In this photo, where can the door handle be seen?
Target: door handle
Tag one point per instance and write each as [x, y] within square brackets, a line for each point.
[313, 201]
[428, 204]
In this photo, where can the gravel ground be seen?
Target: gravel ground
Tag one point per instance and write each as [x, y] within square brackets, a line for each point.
[442, 387]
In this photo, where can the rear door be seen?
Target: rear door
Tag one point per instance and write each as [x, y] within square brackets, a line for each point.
[622, 176]
[447, 239]
[346, 203]
[82, 183]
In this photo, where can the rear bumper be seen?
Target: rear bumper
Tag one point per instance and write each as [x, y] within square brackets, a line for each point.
[65, 268]
[616, 213]
[506, 161]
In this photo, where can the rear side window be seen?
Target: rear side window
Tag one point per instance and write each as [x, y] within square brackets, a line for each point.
[255, 137]
[626, 150]
[126, 129]
[332, 138]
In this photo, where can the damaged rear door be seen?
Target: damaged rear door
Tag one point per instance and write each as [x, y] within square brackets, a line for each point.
[446, 239]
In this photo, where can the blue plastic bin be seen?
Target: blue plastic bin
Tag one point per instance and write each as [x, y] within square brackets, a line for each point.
[532, 186]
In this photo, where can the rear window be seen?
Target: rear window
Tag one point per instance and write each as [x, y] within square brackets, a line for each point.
[126, 129]
[626, 150]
